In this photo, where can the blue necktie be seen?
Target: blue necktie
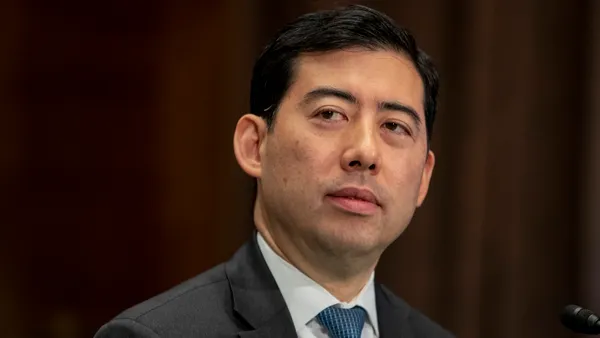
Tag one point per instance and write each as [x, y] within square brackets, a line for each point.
[343, 323]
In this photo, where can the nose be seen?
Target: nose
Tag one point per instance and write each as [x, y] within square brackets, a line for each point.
[362, 151]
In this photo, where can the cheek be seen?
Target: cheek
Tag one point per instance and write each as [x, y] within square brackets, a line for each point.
[407, 179]
[301, 164]
[290, 160]
[300, 154]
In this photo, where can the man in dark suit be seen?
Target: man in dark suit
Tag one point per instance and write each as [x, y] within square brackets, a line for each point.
[342, 107]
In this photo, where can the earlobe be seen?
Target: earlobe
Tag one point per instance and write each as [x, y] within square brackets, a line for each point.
[426, 177]
[248, 137]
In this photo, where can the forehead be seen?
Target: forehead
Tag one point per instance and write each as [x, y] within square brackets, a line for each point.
[369, 75]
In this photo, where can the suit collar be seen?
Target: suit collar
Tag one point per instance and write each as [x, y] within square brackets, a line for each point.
[256, 297]
[392, 314]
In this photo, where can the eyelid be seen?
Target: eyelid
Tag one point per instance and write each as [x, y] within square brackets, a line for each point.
[407, 129]
[330, 109]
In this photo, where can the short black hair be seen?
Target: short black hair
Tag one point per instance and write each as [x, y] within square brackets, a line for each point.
[330, 30]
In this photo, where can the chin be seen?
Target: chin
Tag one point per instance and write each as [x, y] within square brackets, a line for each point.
[361, 240]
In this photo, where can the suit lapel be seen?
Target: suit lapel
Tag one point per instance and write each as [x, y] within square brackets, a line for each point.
[278, 326]
[256, 297]
[392, 315]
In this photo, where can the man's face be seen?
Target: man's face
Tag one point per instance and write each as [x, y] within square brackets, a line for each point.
[347, 161]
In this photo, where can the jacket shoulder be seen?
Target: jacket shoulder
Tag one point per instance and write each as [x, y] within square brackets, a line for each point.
[195, 307]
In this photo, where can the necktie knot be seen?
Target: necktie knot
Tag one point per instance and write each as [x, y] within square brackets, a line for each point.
[343, 323]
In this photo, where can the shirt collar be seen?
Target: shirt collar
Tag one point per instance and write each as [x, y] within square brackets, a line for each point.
[305, 298]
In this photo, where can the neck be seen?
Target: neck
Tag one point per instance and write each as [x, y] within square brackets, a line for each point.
[343, 277]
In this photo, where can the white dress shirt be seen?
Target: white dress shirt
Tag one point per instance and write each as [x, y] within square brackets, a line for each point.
[305, 298]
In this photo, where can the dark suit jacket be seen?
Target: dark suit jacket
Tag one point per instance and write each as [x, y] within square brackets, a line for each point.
[241, 299]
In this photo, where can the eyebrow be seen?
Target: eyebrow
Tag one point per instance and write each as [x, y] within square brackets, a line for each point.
[323, 92]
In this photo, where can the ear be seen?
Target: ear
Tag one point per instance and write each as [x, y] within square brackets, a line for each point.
[248, 141]
[426, 177]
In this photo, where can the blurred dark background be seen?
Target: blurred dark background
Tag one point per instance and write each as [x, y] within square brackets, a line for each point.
[118, 180]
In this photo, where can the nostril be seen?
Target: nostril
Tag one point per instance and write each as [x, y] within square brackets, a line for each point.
[355, 163]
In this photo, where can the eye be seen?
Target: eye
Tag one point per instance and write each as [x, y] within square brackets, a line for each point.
[330, 115]
[396, 128]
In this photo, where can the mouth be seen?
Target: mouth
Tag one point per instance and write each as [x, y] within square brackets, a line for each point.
[355, 200]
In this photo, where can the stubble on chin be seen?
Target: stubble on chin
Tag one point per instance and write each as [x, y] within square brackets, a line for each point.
[346, 241]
